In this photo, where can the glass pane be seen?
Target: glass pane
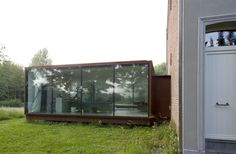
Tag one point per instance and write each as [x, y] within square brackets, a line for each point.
[54, 90]
[131, 90]
[39, 91]
[97, 90]
[220, 38]
[67, 90]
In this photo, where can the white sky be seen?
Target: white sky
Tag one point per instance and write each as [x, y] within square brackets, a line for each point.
[81, 31]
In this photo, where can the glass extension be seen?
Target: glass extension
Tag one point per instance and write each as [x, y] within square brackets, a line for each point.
[109, 90]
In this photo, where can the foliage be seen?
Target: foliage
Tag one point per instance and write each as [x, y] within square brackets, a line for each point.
[6, 114]
[41, 58]
[48, 137]
[161, 69]
[3, 57]
[11, 103]
[11, 81]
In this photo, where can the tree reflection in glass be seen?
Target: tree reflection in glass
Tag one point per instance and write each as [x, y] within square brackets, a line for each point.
[98, 90]
[120, 90]
[131, 90]
[220, 38]
[66, 90]
[37, 88]
[54, 90]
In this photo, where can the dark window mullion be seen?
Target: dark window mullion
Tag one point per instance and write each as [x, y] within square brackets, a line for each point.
[113, 96]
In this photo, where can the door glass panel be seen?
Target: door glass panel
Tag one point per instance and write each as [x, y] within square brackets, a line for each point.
[220, 38]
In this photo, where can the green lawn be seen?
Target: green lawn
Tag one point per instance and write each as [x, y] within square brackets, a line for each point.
[19, 136]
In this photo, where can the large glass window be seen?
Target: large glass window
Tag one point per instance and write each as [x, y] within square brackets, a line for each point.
[131, 90]
[66, 85]
[55, 90]
[39, 91]
[98, 90]
[115, 90]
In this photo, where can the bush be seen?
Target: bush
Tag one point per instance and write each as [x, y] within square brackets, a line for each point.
[11, 103]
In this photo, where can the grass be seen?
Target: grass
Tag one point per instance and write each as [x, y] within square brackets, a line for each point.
[19, 136]
[10, 113]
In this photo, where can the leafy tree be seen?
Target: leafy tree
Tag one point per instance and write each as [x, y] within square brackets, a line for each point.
[11, 81]
[161, 69]
[11, 78]
[3, 57]
[41, 58]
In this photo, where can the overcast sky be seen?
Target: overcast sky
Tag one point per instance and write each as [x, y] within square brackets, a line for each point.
[81, 31]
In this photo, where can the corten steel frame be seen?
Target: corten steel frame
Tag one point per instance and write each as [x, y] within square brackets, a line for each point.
[161, 97]
[92, 118]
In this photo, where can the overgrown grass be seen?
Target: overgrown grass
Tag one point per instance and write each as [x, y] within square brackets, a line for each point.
[19, 136]
[10, 113]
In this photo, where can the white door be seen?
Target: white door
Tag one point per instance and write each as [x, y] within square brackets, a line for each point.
[220, 95]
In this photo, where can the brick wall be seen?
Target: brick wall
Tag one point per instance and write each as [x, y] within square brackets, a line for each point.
[173, 57]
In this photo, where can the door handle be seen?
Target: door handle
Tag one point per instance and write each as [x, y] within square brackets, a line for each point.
[219, 104]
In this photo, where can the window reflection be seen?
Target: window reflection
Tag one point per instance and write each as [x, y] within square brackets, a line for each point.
[54, 90]
[220, 38]
[66, 90]
[120, 90]
[98, 90]
[37, 90]
[131, 90]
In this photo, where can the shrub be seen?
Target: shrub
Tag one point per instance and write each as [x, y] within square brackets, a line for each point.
[11, 103]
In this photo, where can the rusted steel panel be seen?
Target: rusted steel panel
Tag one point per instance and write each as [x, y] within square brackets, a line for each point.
[95, 119]
[93, 64]
[161, 97]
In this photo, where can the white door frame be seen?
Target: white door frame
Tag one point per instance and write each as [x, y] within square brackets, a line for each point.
[202, 23]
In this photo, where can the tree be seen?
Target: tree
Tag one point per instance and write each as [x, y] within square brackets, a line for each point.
[161, 69]
[3, 57]
[11, 81]
[41, 58]
[11, 78]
